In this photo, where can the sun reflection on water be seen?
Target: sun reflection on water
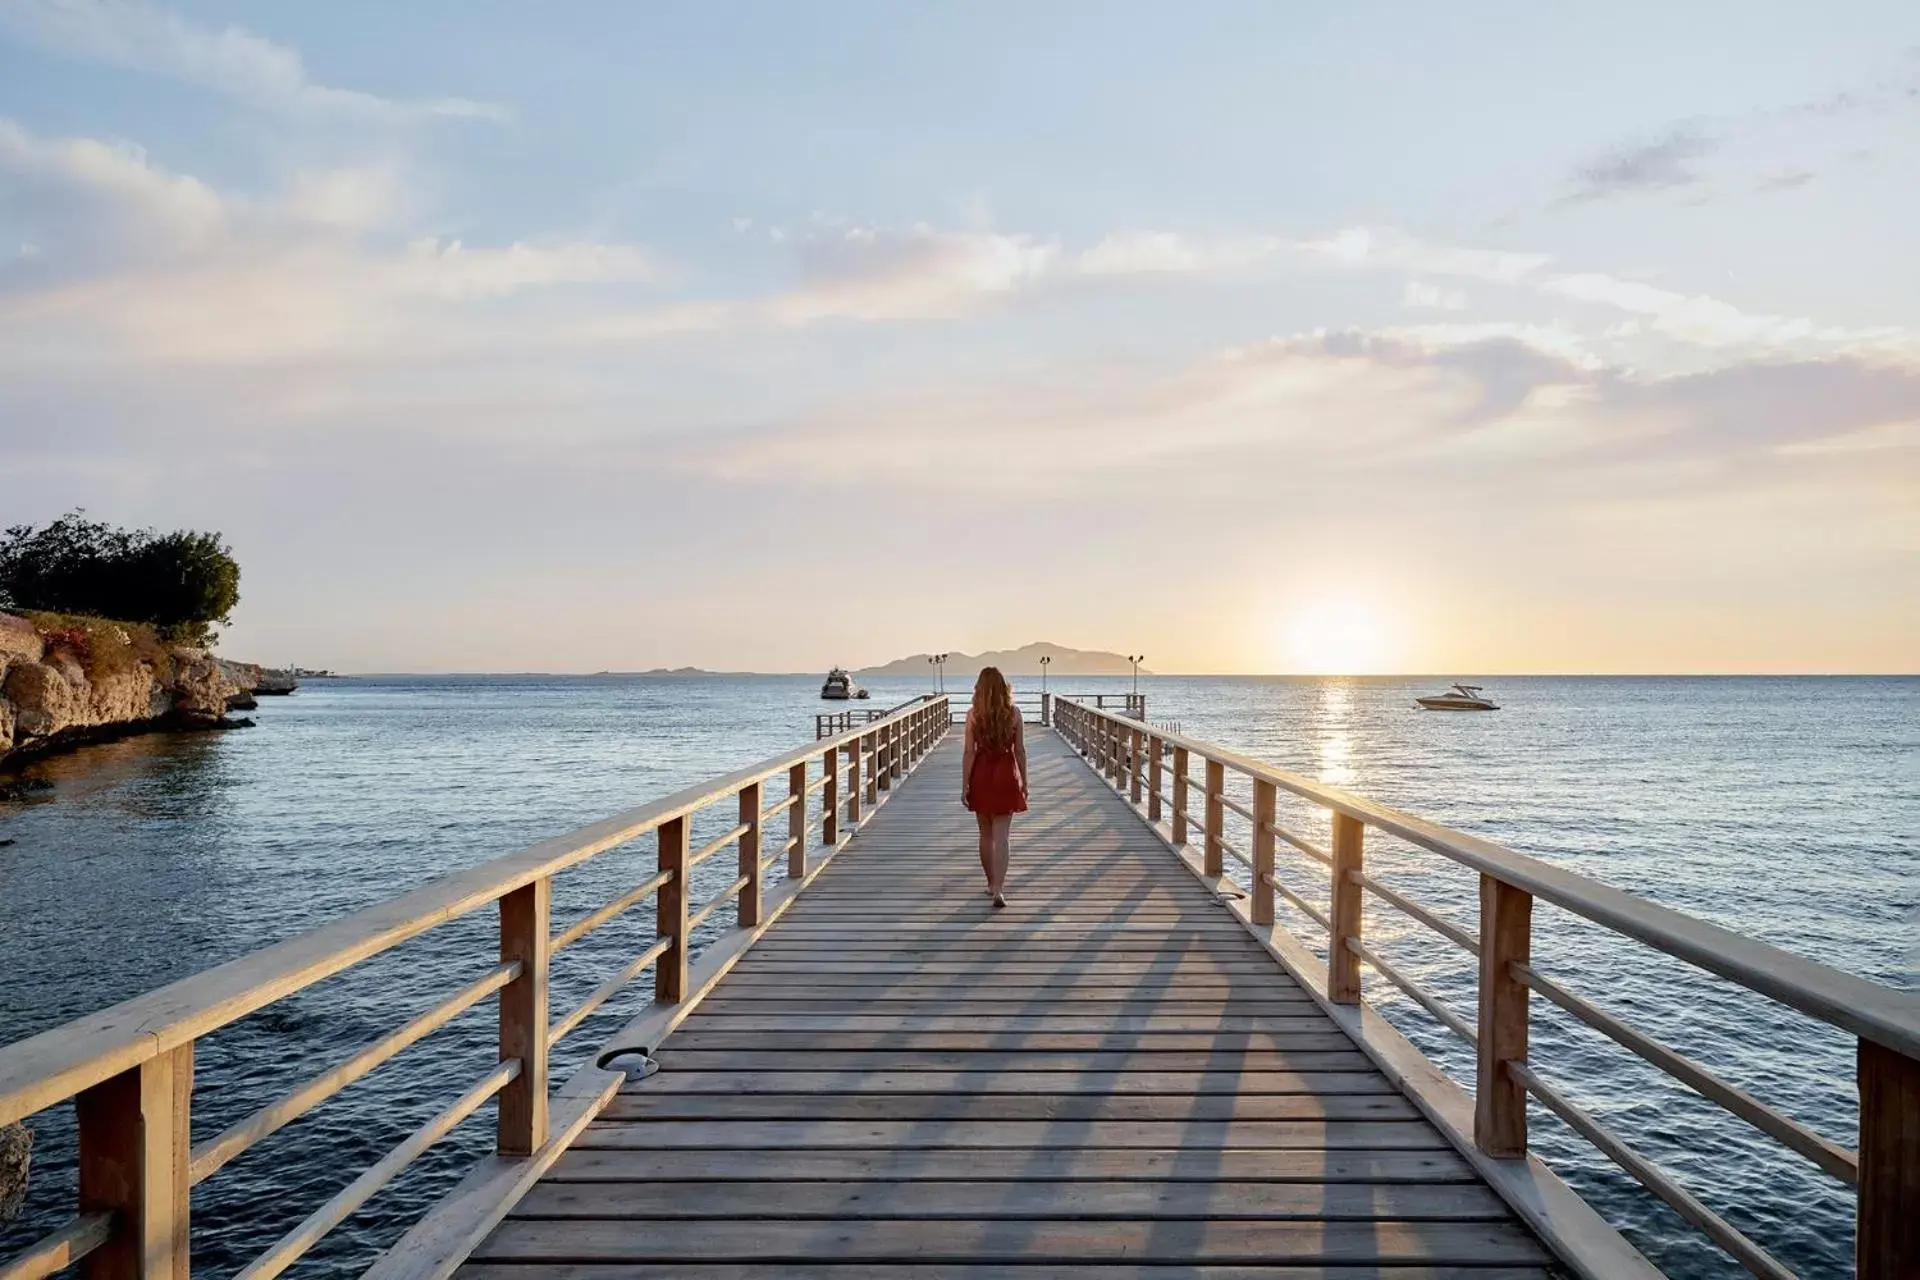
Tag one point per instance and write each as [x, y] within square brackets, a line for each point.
[1332, 726]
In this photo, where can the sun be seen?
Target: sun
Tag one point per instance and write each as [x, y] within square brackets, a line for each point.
[1334, 636]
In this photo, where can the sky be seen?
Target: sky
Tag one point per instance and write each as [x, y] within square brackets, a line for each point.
[1261, 337]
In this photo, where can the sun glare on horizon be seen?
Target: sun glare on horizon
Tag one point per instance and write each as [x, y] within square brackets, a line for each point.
[1334, 636]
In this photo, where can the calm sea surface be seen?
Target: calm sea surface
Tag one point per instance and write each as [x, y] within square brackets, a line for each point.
[1788, 809]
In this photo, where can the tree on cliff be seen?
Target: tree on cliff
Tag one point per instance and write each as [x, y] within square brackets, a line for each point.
[183, 583]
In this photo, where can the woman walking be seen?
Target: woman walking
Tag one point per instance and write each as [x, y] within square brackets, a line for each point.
[993, 773]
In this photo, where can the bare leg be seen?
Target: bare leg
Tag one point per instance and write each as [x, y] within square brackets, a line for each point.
[997, 876]
[986, 847]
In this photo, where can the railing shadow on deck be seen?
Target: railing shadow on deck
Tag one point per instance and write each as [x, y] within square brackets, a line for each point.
[1154, 770]
[129, 1069]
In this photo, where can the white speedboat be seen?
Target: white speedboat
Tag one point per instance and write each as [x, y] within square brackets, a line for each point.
[1462, 697]
[839, 687]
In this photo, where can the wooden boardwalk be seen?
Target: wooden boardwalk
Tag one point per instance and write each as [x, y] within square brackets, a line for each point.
[1108, 1078]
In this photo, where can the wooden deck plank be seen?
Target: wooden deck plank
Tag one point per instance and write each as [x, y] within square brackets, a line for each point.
[1224, 1047]
[549, 1270]
[994, 1240]
[686, 1061]
[1094, 1164]
[648, 1108]
[974, 1200]
[1016, 1135]
[1108, 1078]
[1025, 1083]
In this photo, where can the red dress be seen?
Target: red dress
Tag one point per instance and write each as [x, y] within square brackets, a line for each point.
[994, 787]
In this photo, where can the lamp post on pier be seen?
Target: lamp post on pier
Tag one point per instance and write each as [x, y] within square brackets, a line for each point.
[939, 661]
[1046, 660]
[1136, 659]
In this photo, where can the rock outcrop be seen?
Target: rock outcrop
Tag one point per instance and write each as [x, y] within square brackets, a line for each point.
[71, 684]
[255, 681]
[16, 1152]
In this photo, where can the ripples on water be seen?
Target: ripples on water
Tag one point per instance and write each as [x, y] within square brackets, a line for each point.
[1786, 809]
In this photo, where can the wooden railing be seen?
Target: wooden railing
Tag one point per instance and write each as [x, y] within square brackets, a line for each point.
[1166, 774]
[129, 1069]
[1035, 708]
[828, 724]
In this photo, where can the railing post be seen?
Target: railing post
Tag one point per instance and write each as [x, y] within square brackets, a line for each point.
[1887, 1235]
[749, 899]
[1214, 862]
[1349, 860]
[1155, 775]
[873, 770]
[882, 760]
[797, 821]
[830, 799]
[853, 784]
[1506, 939]
[1264, 794]
[1115, 764]
[134, 1147]
[896, 755]
[670, 914]
[1137, 781]
[526, 927]
[1179, 795]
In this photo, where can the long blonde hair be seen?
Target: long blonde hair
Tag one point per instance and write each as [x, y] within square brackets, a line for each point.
[996, 722]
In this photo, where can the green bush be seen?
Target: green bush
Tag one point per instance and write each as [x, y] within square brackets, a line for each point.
[182, 584]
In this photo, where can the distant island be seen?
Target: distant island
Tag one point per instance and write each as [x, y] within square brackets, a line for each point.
[1024, 661]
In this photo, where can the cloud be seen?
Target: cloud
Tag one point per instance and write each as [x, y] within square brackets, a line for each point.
[456, 273]
[1419, 293]
[137, 36]
[1787, 181]
[130, 261]
[85, 204]
[1161, 252]
[864, 273]
[1375, 247]
[1659, 165]
[1422, 405]
[1709, 322]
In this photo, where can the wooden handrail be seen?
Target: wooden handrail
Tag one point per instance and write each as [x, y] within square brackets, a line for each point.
[1653, 1178]
[1886, 1020]
[594, 919]
[1884, 1015]
[55, 1065]
[1831, 1156]
[60, 1248]
[216, 1151]
[289, 1248]
[130, 1068]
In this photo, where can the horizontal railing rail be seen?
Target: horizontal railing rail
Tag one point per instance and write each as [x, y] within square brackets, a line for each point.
[1155, 768]
[129, 1069]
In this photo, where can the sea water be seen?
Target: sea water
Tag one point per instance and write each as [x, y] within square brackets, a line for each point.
[1787, 809]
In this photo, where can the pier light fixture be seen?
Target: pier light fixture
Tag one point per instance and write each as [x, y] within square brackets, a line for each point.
[1046, 660]
[1136, 659]
[939, 661]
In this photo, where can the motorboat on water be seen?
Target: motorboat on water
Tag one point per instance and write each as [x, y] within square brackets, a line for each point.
[839, 687]
[1462, 697]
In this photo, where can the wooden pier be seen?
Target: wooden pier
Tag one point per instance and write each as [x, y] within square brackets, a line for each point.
[1132, 1070]
[1108, 1074]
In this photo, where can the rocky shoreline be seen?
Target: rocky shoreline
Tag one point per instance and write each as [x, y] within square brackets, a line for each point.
[63, 687]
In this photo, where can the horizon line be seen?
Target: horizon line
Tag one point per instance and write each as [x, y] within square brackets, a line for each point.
[669, 673]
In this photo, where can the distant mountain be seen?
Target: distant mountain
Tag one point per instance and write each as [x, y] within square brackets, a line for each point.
[1024, 661]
